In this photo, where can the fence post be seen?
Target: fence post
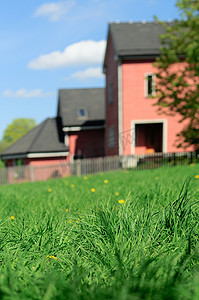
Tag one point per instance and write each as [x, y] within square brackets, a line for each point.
[174, 159]
[32, 173]
[191, 158]
[78, 167]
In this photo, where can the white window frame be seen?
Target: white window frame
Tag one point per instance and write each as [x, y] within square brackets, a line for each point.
[164, 132]
[79, 116]
[146, 94]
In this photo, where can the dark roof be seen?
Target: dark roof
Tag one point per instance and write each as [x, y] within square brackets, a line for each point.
[136, 39]
[92, 100]
[44, 138]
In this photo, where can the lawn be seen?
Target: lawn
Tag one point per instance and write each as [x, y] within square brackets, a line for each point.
[118, 235]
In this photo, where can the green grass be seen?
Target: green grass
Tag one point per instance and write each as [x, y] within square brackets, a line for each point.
[71, 243]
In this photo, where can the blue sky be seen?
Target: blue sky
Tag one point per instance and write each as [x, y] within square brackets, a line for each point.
[49, 45]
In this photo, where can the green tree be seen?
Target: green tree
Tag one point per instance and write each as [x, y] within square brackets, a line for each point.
[178, 71]
[17, 129]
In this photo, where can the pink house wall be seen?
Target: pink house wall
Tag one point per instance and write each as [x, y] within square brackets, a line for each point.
[42, 169]
[138, 107]
[89, 142]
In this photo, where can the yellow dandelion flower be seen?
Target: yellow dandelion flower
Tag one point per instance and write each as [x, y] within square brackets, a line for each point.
[93, 190]
[51, 256]
[121, 201]
[12, 217]
[197, 176]
[191, 165]
[50, 190]
[85, 177]
[105, 181]
[72, 185]
[116, 194]
[67, 209]
[156, 177]
[70, 221]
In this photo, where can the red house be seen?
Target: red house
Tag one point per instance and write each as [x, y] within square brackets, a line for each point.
[76, 132]
[133, 125]
[82, 112]
[117, 120]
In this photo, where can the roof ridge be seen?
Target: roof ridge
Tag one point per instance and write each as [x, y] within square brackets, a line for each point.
[82, 89]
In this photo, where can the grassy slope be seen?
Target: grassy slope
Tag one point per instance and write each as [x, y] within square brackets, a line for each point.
[146, 247]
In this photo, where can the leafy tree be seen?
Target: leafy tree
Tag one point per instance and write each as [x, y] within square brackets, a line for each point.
[17, 129]
[178, 71]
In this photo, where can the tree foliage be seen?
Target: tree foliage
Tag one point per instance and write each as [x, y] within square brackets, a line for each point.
[17, 129]
[178, 71]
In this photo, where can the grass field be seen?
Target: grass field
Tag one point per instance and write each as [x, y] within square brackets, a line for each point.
[120, 235]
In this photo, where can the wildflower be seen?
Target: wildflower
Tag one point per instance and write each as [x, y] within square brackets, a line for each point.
[197, 176]
[93, 190]
[105, 181]
[192, 164]
[50, 190]
[72, 185]
[12, 217]
[85, 177]
[121, 201]
[67, 209]
[156, 177]
[51, 256]
[70, 221]
[116, 194]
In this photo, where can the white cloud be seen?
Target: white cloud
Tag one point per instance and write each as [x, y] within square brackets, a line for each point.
[23, 93]
[89, 73]
[82, 53]
[54, 11]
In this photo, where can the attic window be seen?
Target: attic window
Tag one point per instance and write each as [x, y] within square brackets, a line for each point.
[82, 113]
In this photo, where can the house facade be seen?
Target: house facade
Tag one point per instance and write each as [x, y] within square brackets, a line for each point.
[120, 119]
[133, 124]
[76, 133]
[82, 112]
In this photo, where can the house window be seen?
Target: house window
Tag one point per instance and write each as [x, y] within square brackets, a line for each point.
[150, 85]
[110, 93]
[111, 137]
[82, 113]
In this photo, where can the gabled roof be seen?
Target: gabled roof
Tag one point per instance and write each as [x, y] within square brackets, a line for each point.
[44, 138]
[136, 40]
[92, 100]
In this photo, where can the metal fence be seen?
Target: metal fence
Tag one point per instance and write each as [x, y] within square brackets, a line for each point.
[95, 165]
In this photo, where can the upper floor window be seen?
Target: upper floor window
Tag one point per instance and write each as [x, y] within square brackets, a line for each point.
[149, 85]
[111, 137]
[110, 93]
[82, 113]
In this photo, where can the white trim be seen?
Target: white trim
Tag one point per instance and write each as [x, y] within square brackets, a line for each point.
[66, 140]
[34, 155]
[79, 128]
[56, 154]
[151, 121]
[146, 95]
[120, 110]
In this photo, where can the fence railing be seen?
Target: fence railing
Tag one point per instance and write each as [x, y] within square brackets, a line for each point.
[95, 165]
